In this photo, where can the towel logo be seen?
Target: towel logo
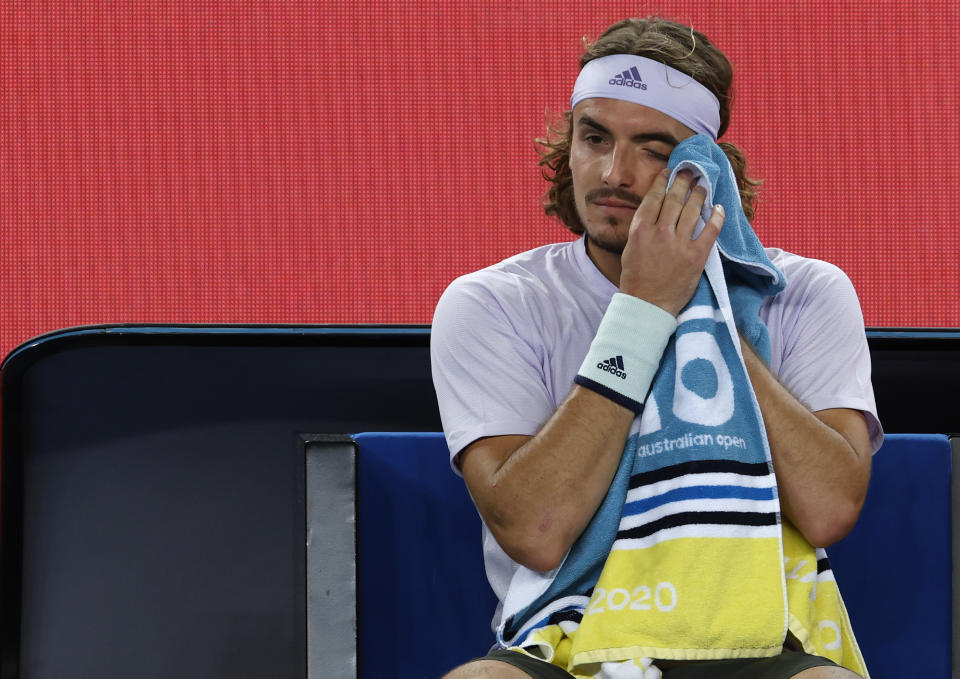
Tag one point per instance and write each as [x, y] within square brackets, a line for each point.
[629, 78]
[613, 365]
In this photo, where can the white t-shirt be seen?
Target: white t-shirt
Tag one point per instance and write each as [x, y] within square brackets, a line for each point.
[508, 340]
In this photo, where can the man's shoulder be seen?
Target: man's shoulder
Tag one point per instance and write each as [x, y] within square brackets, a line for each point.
[806, 274]
[536, 293]
[539, 261]
[538, 269]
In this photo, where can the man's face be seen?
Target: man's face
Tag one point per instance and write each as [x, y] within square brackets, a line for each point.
[617, 150]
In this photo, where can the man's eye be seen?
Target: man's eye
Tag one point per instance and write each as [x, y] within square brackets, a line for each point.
[593, 139]
[658, 156]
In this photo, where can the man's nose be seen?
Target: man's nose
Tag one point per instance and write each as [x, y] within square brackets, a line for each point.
[618, 171]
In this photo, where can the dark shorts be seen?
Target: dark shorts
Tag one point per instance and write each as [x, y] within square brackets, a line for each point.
[781, 666]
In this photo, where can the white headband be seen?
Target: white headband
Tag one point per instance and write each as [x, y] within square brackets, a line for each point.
[650, 83]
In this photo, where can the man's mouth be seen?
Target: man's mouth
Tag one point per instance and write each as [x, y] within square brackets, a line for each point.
[616, 208]
[614, 200]
[614, 203]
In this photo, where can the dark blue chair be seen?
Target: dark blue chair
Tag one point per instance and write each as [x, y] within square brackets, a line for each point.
[894, 569]
[424, 604]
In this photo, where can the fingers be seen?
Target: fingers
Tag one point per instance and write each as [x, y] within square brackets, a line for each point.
[690, 214]
[711, 231]
[675, 200]
[678, 208]
[649, 210]
[671, 208]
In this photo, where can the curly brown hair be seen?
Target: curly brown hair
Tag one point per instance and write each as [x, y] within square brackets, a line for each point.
[670, 43]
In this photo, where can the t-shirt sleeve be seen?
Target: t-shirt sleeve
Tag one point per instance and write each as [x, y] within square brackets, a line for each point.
[488, 374]
[826, 361]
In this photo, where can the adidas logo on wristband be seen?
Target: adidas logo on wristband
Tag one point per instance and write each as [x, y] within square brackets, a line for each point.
[633, 328]
[613, 365]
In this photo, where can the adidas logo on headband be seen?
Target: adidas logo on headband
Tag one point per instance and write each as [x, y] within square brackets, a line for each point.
[629, 78]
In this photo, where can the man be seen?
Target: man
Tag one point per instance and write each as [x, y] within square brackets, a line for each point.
[535, 433]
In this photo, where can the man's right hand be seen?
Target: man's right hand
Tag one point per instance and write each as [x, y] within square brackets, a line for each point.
[662, 263]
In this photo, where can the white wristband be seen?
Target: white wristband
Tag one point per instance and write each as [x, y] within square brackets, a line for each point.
[626, 351]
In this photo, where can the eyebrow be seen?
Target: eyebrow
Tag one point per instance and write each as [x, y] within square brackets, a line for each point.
[664, 137]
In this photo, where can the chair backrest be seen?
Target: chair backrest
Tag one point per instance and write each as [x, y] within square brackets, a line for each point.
[894, 569]
[424, 604]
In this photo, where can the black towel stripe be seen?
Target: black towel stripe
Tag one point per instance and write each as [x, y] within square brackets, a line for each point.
[560, 616]
[823, 565]
[695, 518]
[700, 467]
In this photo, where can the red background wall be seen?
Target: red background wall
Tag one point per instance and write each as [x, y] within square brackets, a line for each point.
[338, 162]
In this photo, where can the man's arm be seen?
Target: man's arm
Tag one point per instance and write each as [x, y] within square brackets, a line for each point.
[537, 494]
[822, 459]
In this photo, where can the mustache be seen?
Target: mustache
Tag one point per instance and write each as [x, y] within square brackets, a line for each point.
[620, 194]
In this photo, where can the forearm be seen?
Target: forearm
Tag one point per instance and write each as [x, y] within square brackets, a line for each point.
[822, 460]
[537, 498]
[540, 496]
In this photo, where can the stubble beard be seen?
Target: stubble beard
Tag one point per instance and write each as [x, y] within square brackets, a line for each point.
[608, 240]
